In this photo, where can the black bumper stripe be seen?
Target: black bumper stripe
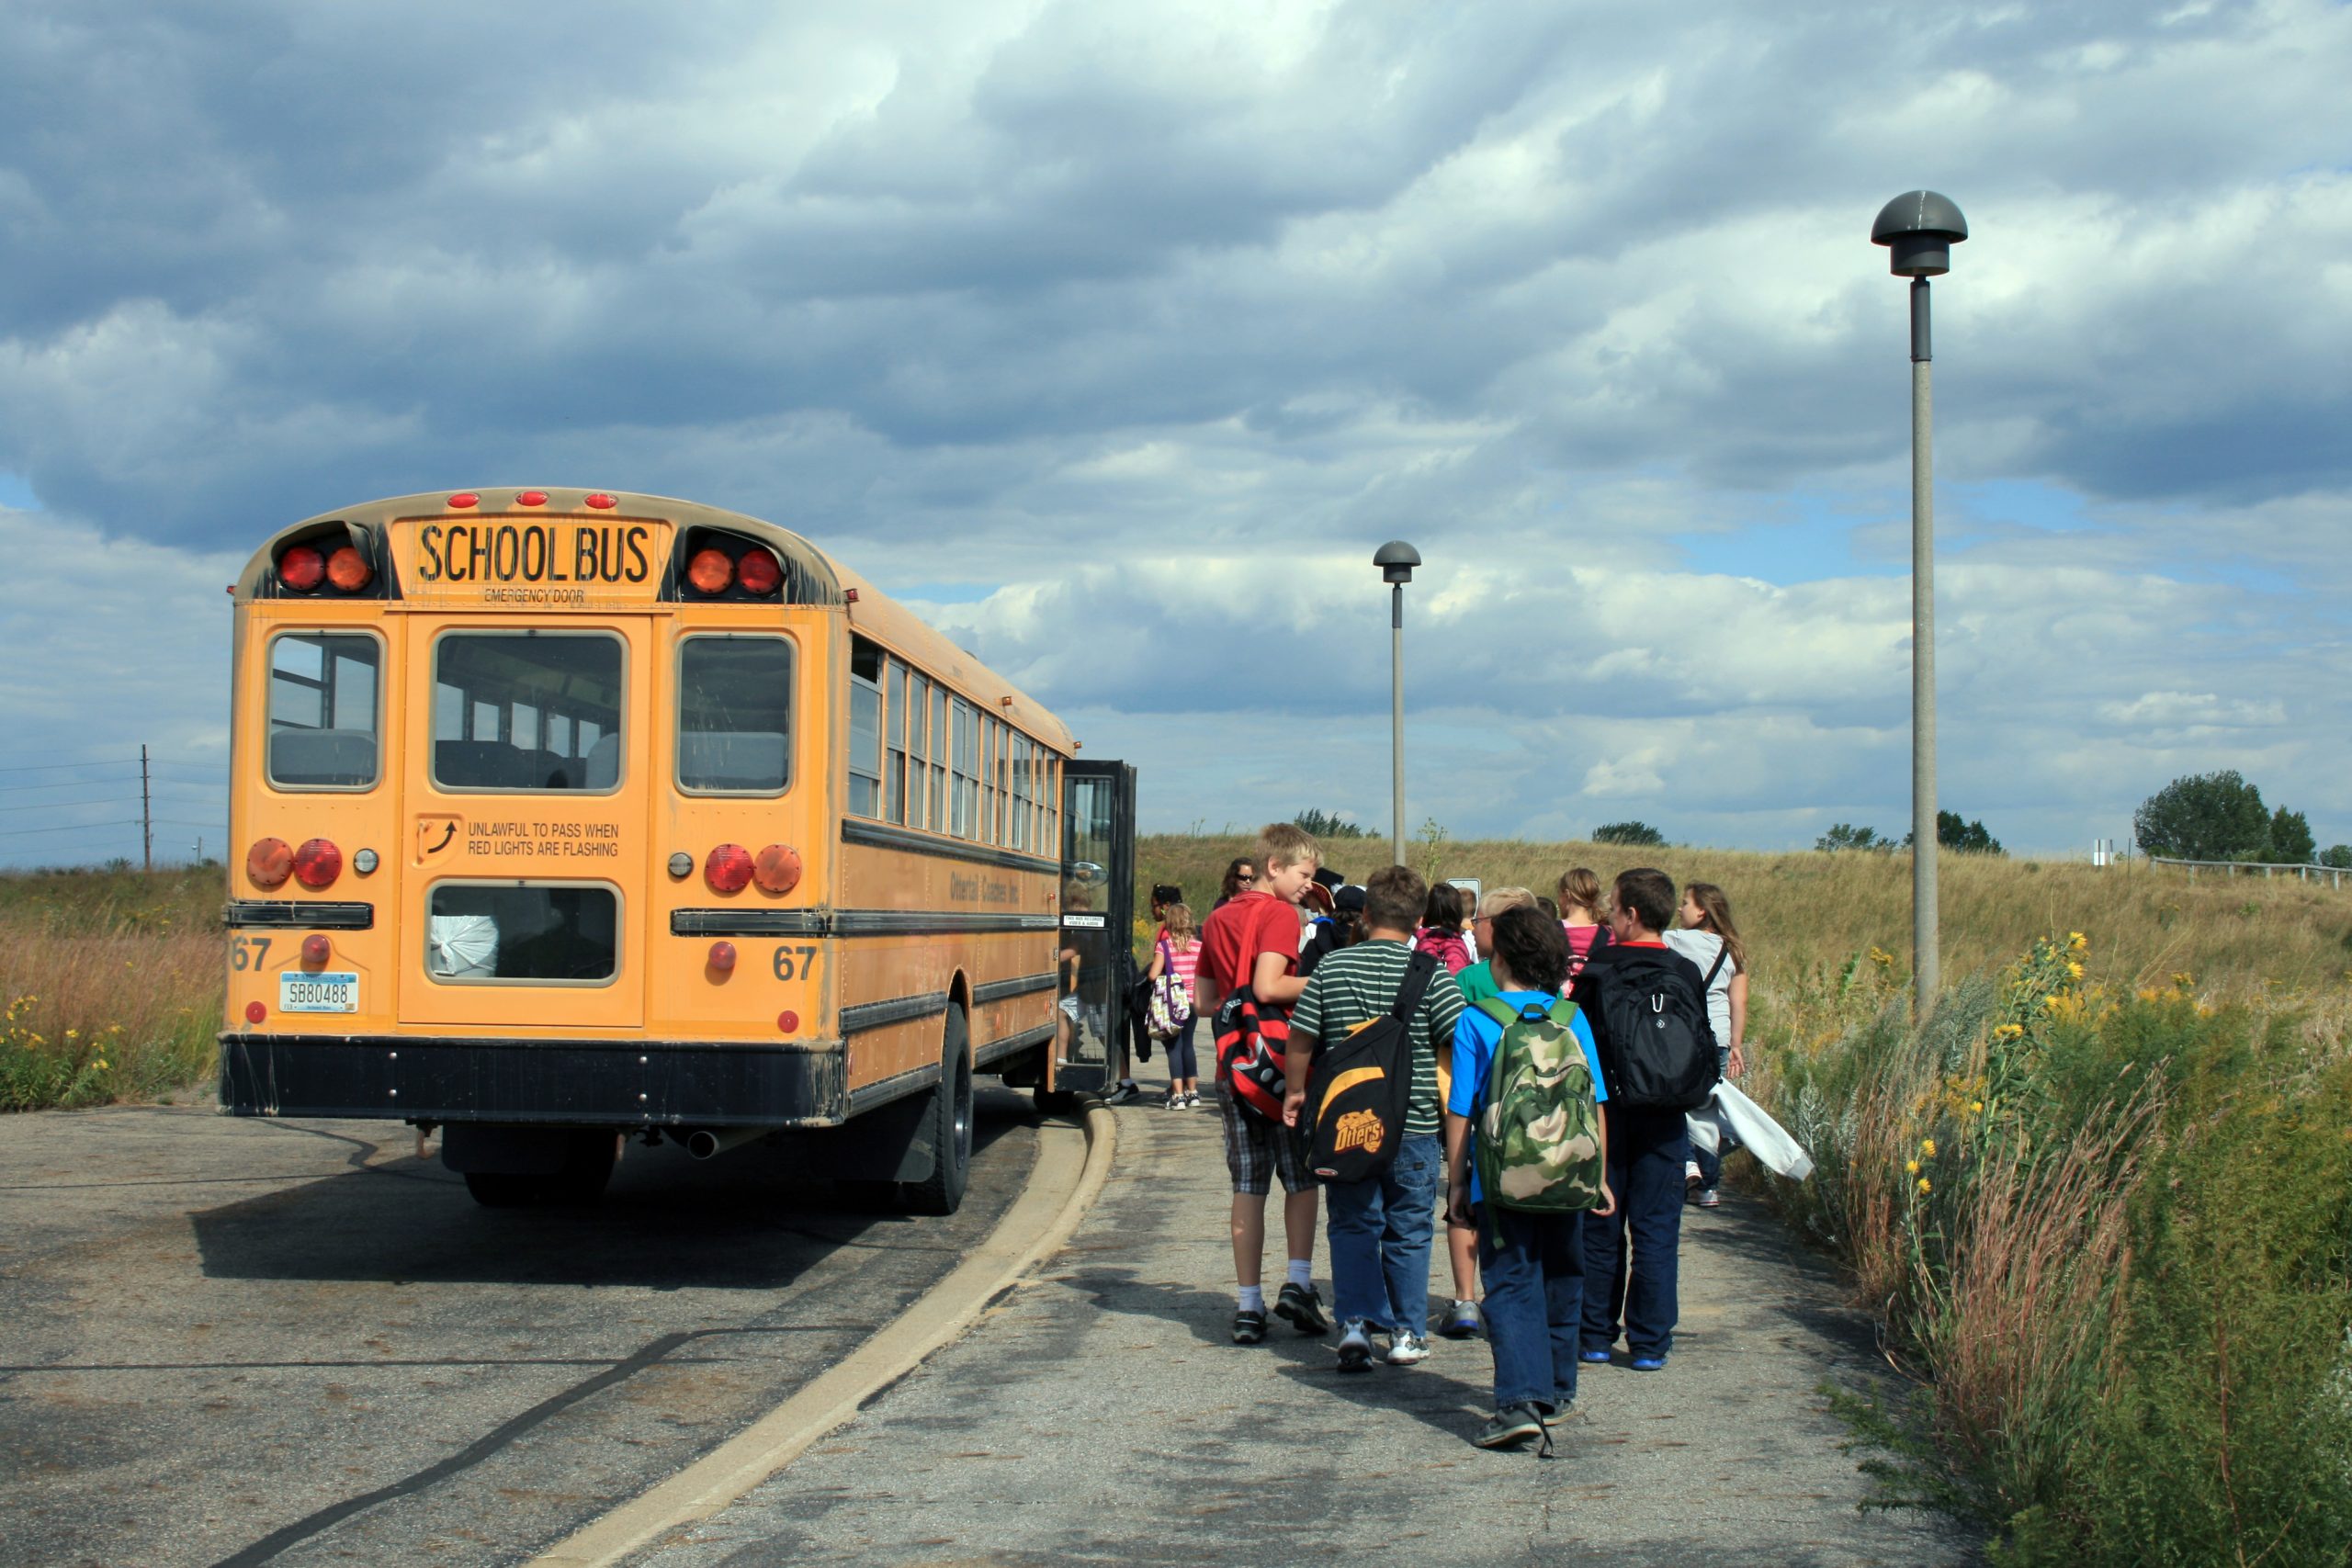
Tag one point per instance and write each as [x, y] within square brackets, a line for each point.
[286, 913]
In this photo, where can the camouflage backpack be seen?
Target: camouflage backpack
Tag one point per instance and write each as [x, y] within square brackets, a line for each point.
[1539, 1127]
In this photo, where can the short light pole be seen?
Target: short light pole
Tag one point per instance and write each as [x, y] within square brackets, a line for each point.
[1919, 229]
[1396, 560]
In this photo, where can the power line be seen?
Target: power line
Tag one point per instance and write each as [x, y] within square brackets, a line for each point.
[66, 828]
[67, 805]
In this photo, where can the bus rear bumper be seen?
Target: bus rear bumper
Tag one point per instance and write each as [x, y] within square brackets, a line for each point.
[571, 1083]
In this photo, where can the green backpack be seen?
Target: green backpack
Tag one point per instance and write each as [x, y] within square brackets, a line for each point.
[1539, 1126]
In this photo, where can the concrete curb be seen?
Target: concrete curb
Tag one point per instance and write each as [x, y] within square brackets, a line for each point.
[1062, 1187]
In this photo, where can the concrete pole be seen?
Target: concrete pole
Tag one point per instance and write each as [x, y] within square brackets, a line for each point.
[1397, 718]
[1927, 971]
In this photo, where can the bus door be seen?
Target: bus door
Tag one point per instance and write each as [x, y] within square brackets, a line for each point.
[522, 856]
[1097, 964]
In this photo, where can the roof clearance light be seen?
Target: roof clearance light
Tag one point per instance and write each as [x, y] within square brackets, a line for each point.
[601, 501]
[349, 570]
[317, 863]
[269, 862]
[777, 870]
[301, 569]
[758, 572]
[710, 571]
[532, 498]
[462, 500]
[728, 869]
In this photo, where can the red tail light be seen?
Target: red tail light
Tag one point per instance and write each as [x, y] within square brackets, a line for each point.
[349, 570]
[758, 572]
[315, 949]
[710, 571]
[301, 569]
[779, 869]
[317, 863]
[722, 957]
[269, 861]
[729, 868]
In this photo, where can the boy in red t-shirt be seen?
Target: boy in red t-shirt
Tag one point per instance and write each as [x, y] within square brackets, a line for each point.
[1253, 941]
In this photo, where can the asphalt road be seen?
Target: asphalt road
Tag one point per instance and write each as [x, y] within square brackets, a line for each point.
[246, 1342]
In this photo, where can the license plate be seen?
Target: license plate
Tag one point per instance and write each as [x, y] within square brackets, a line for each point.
[318, 993]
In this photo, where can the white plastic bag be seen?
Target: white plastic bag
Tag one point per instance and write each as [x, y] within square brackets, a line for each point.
[1730, 1117]
[461, 946]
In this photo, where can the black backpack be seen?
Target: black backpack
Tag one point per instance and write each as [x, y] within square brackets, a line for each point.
[1361, 1085]
[1658, 1034]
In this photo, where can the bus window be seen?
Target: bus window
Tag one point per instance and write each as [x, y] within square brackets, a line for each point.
[864, 729]
[540, 933]
[734, 715]
[918, 772]
[967, 765]
[496, 696]
[322, 690]
[894, 761]
[939, 758]
[1020, 792]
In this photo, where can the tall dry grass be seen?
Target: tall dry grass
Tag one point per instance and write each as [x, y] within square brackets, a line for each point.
[111, 984]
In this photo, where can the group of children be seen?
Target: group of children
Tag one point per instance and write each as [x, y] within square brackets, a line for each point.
[1560, 1287]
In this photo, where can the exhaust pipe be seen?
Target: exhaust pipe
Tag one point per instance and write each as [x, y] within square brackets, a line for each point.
[708, 1142]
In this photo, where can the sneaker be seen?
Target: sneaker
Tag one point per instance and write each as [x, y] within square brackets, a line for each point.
[1710, 1198]
[1408, 1348]
[1564, 1408]
[1248, 1327]
[1691, 1177]
[1593, 1358]
[1173, 1101]
[1649, 1363]
[1192, 1101]
[1463, 1321]
[1355, 1348]
[1302, 1308]
[1123, 1093]
[1515, 1425]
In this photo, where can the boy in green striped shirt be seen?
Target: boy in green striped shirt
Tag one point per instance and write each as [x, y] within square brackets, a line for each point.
[1379, 1229]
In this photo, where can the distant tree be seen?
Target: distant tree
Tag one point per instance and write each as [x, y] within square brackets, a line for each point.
[1639, 834]
[1967, 838]
[2337, 855]
[2204, 816]
[2290, 839]
[1846, 836]
[1329, 825]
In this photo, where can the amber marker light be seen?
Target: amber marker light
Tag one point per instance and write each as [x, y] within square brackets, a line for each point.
[349, 570]
[710, 571]
[777, 869]
[269, 862]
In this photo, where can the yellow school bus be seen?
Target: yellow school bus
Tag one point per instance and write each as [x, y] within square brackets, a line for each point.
[571, 816]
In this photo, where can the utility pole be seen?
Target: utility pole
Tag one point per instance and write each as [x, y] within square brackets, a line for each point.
[1396, 560]
[146, 817]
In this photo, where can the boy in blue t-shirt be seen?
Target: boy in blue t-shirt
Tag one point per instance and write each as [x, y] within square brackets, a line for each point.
[1532, 1263]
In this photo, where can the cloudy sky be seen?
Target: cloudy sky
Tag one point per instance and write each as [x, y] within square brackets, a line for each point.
[1120, 335]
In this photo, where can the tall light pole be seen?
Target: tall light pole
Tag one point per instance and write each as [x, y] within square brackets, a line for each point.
[1919, 229]
[1396, 560]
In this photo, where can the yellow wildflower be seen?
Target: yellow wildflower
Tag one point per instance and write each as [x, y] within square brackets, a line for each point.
[2011, 1031]
[1977, 1106]
[1924, 1185]
[102, 1064]
[1910, 1167]
[2075, 967]
[1927, 1147]
[72, 1034]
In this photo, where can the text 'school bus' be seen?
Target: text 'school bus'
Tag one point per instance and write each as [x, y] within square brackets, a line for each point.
[570, 816]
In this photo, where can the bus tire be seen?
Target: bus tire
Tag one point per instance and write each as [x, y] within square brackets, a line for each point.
[942, 1192]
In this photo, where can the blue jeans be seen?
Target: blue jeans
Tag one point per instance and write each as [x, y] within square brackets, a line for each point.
[1380, 1239]
[1182, 1063]
[1647, 1150]
[1534, 1303]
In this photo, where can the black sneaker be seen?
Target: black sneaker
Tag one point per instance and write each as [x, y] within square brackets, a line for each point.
[1515, 1425]
[1248, 1327]
[1301, 1307]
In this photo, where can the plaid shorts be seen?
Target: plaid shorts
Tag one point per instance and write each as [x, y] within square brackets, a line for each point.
[1257, 1150]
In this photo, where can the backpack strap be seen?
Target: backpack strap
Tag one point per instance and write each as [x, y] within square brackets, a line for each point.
[1501, 1012]
[1715, 968]
[1420, 968]
[1562, 1013]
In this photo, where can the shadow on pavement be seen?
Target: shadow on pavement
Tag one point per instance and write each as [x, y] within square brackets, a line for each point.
[667, 1222]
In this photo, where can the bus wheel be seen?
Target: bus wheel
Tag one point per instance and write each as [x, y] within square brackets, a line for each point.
[950, 1130]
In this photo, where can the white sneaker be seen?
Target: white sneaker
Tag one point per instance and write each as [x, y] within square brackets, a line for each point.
[1408, 1348]
[1355, 1348]
[1691, 1177]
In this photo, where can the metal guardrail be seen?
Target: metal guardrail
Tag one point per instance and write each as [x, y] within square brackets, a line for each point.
[2333, 875]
